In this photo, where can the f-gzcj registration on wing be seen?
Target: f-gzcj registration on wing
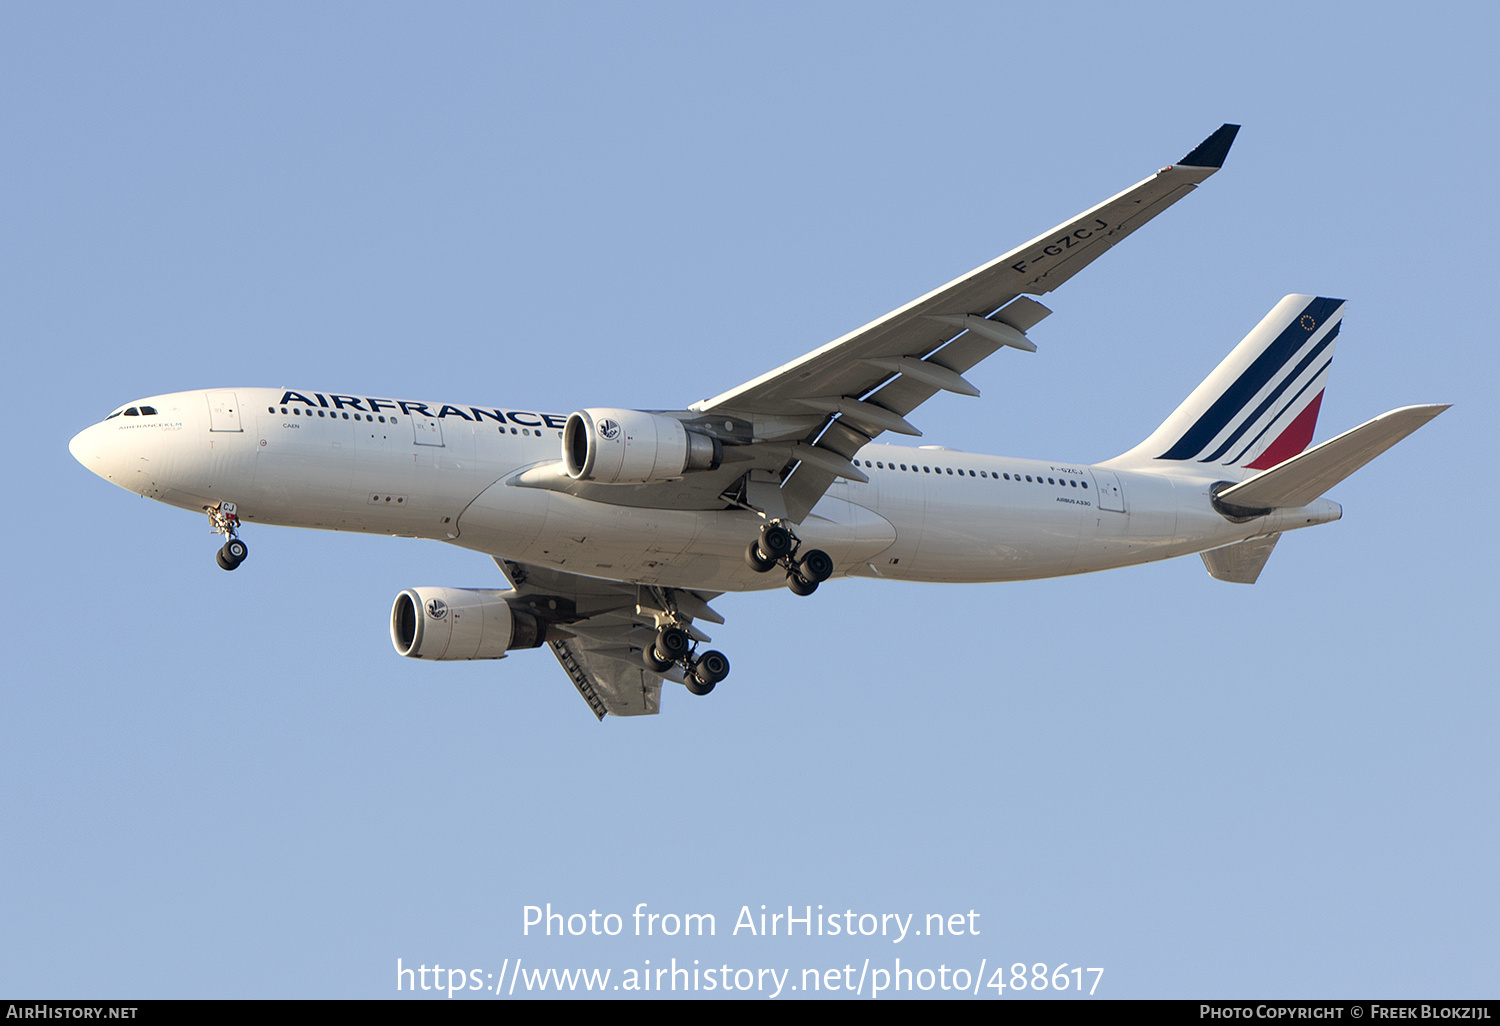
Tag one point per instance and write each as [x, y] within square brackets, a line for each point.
[616, 528]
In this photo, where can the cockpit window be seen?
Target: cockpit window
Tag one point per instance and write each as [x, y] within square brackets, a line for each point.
[148, 411]
[132, 412]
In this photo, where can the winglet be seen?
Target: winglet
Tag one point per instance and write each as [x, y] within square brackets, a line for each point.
[1212, 151]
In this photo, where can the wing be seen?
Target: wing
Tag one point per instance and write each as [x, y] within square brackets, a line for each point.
[602, 627]
[791, 433]
[851, 390]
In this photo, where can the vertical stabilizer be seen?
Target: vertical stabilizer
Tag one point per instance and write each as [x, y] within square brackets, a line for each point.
[1260, 406]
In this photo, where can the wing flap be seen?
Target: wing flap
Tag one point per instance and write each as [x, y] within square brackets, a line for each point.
[1304, 477]
[601, 630]
[609, 685]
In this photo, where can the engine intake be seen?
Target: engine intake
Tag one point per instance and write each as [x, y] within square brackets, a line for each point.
[462, 623]
[633, 447]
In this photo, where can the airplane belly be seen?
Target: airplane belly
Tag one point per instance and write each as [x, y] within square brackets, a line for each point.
[714, 560]
[674, 548]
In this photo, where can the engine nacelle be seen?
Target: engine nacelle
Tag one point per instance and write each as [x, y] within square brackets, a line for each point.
[462, 623]
[632, 447]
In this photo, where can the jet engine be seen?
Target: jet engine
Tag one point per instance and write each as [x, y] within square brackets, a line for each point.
[462, 623]
[632, 447]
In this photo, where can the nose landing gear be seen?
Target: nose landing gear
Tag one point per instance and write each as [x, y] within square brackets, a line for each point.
[778, 546]
[225, 520]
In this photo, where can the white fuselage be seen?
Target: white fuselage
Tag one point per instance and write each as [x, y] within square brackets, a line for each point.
[440, 471]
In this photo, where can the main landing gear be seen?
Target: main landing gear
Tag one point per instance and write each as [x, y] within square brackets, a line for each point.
[226, 521]
[674, 647]
[778, 546]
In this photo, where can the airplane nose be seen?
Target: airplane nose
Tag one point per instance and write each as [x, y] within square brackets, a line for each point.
[87, 448]
[82, 447]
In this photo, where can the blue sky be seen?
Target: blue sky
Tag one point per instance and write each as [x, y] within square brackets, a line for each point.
[229, 785]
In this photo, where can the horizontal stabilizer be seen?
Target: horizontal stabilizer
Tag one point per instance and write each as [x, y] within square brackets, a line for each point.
[1242, 562]
[1301, 479]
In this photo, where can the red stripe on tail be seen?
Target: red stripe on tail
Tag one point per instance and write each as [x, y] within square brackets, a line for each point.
[1291, 441]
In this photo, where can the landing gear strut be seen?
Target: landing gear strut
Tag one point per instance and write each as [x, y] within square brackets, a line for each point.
[225, 520]
[778, 546]
[675, 646]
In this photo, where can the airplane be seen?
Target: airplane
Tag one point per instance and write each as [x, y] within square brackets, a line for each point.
[616, 528]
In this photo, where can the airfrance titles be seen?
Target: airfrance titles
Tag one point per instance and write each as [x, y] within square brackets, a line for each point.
[474, 414]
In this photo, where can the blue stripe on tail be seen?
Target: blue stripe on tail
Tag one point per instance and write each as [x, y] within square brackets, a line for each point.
[1265, 367]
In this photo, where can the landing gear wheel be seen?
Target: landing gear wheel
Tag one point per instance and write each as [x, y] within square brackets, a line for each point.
[225, 520]
[758, 563]
[696, 688]
[775, 542]
[672, 643]
[655, 665]
[232, 554]
[710, 668]
[816, 566]
[800, 585]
